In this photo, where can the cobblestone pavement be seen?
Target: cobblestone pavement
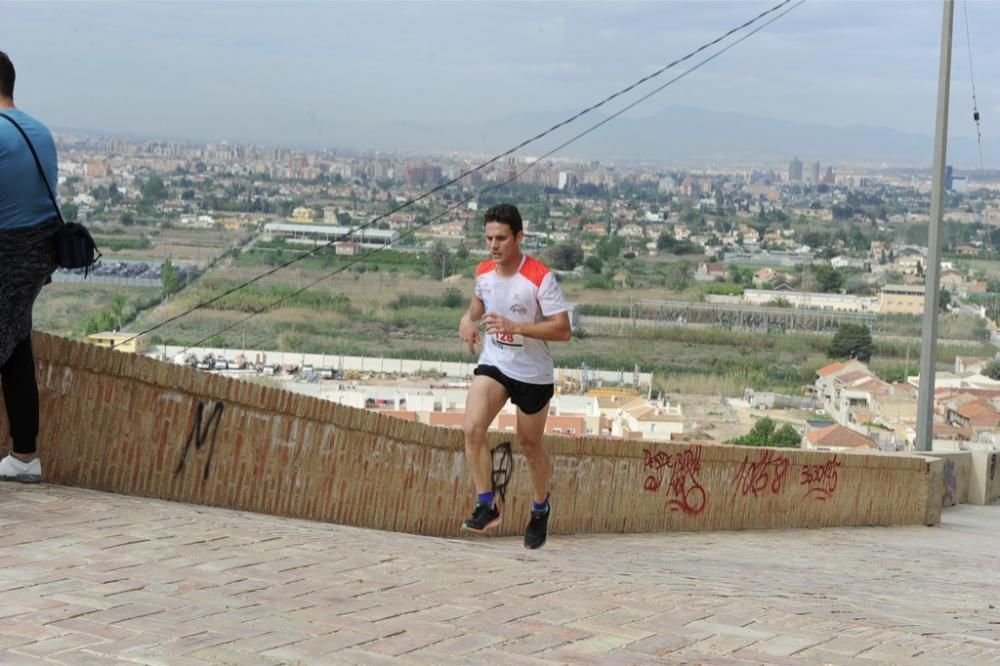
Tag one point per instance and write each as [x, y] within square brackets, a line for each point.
[96, 578]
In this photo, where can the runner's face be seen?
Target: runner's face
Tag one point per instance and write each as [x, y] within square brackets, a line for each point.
[504, 246]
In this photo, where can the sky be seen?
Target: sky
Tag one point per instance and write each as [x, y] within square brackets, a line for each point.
[333, 73]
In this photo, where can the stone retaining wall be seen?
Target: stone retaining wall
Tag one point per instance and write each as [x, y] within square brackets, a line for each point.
[128, 424]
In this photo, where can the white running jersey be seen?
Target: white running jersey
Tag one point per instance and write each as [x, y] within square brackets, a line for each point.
[529, 295]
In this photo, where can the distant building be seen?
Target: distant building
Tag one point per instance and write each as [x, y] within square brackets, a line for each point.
[710, 272]
[321, 233]
[837, 438]
[197, 221]
[766, 275]
[795, 171]
[814, 173]
[948, 172]
[302, 215]
[423, 175]
[119, 340]
[235, 223]
[972, 412]
[810, 300]
[96, 170]
[902, 299]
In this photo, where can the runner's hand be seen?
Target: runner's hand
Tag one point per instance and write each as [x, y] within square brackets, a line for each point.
[498, 324]
[468, 333]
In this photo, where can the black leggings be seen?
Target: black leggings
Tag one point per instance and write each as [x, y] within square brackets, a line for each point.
[20, 397]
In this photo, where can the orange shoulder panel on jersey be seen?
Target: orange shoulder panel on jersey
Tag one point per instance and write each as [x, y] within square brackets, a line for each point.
[534, 270]
[485, 267]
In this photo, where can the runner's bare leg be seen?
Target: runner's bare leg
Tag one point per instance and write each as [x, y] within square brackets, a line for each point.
[530, 428]
[485, 400]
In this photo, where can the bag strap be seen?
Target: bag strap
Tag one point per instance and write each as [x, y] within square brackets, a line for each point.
[38, 163]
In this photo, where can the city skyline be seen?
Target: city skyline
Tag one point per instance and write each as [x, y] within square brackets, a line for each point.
[344, 74]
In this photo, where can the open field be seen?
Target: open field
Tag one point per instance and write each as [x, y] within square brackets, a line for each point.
[184, 245]
[63, 308]
[990, 268]
[397, 311]
[395, 314]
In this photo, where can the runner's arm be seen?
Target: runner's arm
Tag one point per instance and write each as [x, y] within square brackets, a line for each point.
[467, 329]
[554, 328]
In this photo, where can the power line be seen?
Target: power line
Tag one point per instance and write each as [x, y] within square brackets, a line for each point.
[972, 77]
[490, 188]
[496, 158]
[975, 113]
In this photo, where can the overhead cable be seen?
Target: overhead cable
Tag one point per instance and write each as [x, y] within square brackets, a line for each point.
[511, 179]
[972, 77]
[496, 158]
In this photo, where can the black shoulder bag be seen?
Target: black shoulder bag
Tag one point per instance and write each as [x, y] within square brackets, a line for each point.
[74, 246]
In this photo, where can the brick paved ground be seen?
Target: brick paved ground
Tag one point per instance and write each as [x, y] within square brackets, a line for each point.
[93, 578]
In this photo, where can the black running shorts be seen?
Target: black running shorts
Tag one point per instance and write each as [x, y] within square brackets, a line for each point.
[529, 398]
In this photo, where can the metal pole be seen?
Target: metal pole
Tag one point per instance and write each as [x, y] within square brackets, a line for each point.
[928, 347]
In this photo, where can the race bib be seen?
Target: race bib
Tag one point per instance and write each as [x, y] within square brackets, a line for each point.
[509, 342]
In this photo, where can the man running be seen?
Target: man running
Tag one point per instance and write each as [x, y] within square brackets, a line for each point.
[521, 307]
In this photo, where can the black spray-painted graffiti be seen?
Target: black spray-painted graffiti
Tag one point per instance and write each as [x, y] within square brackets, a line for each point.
[503, 467]
[199, 435]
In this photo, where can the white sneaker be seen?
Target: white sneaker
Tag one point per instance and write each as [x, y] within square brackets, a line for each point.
[12, 469]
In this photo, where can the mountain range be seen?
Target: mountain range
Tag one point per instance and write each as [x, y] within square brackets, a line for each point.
[689, 137]
[678, 136]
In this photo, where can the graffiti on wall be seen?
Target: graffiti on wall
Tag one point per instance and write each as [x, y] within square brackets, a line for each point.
[763, 476]
[950, 489]
[820, 480]
[763, 473]
[680, 472]
[655, 468]
[200, 436]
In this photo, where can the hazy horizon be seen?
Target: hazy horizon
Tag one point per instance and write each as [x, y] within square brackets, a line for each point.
[339, 74]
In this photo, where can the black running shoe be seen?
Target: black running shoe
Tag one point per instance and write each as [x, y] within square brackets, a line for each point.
[538, 527]
[484, 516]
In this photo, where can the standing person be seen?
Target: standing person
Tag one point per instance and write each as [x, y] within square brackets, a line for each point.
[521, 306]
[28, 223]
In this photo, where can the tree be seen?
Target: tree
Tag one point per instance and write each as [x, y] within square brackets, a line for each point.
[171, 281]
[565, 256]
[127, 219]
[680, 276]
[70, 212]
[118, 309]
[785, 436]
[440, 260]
[829, 279]
[153, 189]
[816, 239]
[608, 247]
[762, 430]
[594, 264]
[763, 433]
[944, 300]
[666, 242]
[992, 369]
[852, 341]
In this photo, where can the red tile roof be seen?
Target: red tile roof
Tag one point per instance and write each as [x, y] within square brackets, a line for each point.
[829, 369]
[837, 435]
